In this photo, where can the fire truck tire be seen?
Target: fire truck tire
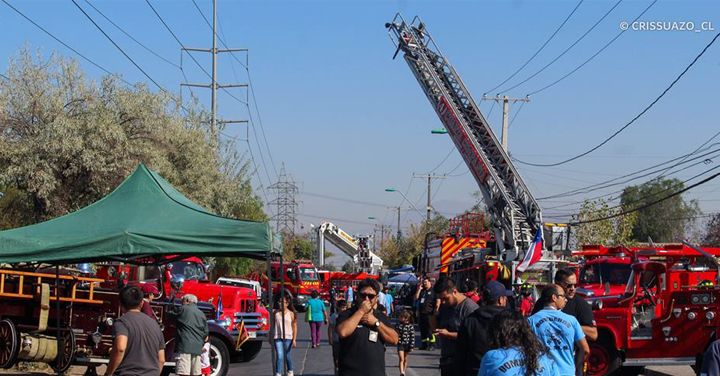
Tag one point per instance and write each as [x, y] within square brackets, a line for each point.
[66, 352]
[604, 359]
[250, 350]
[219, 357]
[9, 343]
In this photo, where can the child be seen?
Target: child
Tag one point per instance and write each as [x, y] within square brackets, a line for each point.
[333, 338]
[406, 335]
[205, 358]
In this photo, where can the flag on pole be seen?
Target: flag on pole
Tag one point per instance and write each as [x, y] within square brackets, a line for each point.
[533, 253]
[219, 311]
[242, 334]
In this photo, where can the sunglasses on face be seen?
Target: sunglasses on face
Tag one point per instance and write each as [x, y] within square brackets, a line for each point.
[364, 296]
[571, 285]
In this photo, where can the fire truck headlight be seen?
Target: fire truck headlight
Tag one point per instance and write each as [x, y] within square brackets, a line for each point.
[691, 316]
[263, 321]
[710, 315]
[597, 304]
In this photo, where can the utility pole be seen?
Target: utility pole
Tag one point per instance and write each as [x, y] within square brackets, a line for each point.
[214, 85]
[429, 178]
[506, 108]
[382, 229]
[399, 209]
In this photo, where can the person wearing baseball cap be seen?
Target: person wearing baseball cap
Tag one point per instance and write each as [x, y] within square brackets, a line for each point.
[149, 292]
[472, 340]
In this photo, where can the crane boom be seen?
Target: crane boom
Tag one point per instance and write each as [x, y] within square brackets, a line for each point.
[349, 245]
[516, 213]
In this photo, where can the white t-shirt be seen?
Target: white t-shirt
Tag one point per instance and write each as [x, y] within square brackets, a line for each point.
[205, 356]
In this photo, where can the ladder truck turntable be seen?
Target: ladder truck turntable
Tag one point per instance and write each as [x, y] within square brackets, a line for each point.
[651, 322]
[364, 259]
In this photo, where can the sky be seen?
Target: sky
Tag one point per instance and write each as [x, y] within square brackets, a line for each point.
[346, 121]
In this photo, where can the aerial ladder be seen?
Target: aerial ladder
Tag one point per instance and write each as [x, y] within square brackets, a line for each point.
[364, 259]
[515, 212]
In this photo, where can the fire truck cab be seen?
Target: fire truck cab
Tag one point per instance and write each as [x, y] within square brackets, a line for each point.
[665, 315]
[299, 277]
[465, 232]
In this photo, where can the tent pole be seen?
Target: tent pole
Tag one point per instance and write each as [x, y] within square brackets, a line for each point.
[271, 320]
[57, 317]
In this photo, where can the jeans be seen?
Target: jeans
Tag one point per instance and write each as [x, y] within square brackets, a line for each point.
[284, 349]
[315, 331]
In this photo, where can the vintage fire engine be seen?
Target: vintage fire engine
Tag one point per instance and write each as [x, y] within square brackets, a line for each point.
[31, 329]
[665, 315]
[239, 304]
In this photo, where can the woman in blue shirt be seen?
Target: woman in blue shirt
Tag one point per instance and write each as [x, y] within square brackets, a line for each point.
[515, 349]
[318, 315]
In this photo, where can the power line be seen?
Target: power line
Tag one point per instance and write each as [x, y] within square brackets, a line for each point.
[516, 114]
[648, 204]
[443, 161]
[540, 49]
[120, 48]
[566, 51]
[607, 183]
[131, 37]
[593, 56]
[342, 199]
[66, 45]
[694, 151]
[631, 121]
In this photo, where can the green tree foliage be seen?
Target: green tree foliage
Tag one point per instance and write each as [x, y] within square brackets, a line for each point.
[66, 141]
[665, 222]
[396, 253]
[609, 232]
[711, 237]
[15, 209]
[348, 266]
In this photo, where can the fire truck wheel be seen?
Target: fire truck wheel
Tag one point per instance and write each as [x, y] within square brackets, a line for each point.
[603, 359]
[66, 353]
[219, 357]
[249, 350]
[9, 343]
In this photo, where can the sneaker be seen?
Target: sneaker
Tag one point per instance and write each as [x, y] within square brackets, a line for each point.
[290, 373]
[277, 374]
[431, 347]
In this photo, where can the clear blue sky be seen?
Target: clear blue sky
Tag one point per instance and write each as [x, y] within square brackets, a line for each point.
[348, 121]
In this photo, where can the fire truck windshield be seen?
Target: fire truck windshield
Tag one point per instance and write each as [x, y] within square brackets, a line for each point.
[191, 271]
[308, 274]
[601, 273]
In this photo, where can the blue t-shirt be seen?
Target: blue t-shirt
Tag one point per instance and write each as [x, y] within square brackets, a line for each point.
[317, 309]
[507, 362]
[558, 331]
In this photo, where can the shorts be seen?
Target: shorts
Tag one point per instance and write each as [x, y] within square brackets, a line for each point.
[206, 370]
[405, 348]
[188, 365]
[336, 349]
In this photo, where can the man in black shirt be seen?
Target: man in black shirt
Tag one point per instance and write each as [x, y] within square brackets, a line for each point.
[576, 306]
[456, 307]
[472, 340]
[426, 303]
[363, 332]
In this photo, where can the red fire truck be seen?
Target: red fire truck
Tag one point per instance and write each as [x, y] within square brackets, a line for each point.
[465, 232]
[666, 314]
[299, 277]
[238, 303]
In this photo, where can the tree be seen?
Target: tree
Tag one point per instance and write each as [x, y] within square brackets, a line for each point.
[67, 141]
[712, 232]
[348, 266]
[397, 253]
[667, 221]
[609, 232]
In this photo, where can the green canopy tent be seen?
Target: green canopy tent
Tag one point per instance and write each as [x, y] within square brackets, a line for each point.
[145, 217]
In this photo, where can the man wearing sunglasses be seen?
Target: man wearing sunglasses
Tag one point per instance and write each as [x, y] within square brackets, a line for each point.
[363, 332]
[560, 332]
[576, 306]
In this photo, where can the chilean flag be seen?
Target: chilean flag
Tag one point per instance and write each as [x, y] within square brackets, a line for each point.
[533, 253]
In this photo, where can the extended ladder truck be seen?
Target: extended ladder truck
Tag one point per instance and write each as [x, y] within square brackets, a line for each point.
[515, 212]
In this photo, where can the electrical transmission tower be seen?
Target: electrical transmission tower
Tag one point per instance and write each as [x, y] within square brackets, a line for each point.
[285, 192]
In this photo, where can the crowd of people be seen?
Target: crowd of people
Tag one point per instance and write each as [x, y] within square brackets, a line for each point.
[489, 332]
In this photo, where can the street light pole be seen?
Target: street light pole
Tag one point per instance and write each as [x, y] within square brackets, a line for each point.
[404, 198]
